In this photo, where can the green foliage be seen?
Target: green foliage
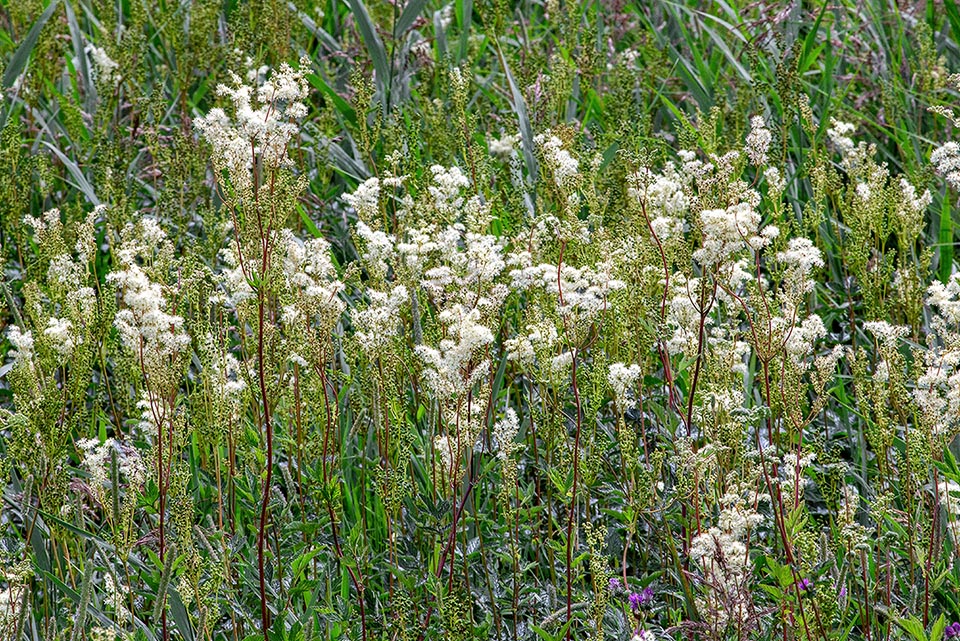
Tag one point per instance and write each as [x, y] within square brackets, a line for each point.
[418, 320]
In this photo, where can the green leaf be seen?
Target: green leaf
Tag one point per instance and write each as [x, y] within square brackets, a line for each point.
[343, 107]
[526, 130]
[913, 627]
[936, 632]
[410, 13]
[378, 55]
[19, 60]
[74, 170]
[946, 239]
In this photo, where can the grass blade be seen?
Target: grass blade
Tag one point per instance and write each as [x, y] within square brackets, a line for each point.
[526, 131]
[410, 13]
[946, 240]
[378, 54]
[19, 60]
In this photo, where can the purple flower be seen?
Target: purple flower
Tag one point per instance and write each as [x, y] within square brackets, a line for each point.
[953, 630]
[614, 584]
[638, 599]
[805, 584]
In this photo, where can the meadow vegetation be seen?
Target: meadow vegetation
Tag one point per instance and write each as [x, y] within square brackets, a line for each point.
[482, 319]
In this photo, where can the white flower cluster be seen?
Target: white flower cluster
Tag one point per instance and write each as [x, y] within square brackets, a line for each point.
[663, 198]
[62, 338]
[116, 597]
[801, 338]
[46, 226]
[22, 342]
[563, 166]
[365, 199]
[792, 471]
[937, 391]
[263, 125]
[445, 189]
[911, 201]
[454, 367]
[758, 141]
[106, 67]
[523, 347]
[622, 379]
[885, 332]
[945, 299]
[726, 232]
[309, 271]
[946, 161]
[96, 460]
[800, 259]
[505, 431]
[683, 315]
[226, 379]
[16, 580]
[504, 147]
[232, 278]
[722, 557]
[380, 320]
[146, 329]
[839, 134]
[581, 292]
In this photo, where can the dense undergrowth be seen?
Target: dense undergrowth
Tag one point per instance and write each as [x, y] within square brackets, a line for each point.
[479, 320]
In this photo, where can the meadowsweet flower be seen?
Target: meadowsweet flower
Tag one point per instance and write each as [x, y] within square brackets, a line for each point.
[263, 123]
[446, 449]
[22, 342]
[663, 195]
[564, 167]
[523, 348]
[886, 332]
[622, 378]
[97, 461]
[728, 231]
[448, 370]
[561, 365]
[46, 225]
[309, 271]
[505, 431]
[365, 199]
[62, 338]
[377, 249]
[950, 496]
[503, 147]
[105, 67]
[144, 325]
[911, 200]
[945, 298]
[946, 161]
[775, 181]
[801, 254]
[758, 141]
[445, 189]
[65, 272]
[380, 319]
[839, 134]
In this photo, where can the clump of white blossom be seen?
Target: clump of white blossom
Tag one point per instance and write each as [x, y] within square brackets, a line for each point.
[264, 121]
